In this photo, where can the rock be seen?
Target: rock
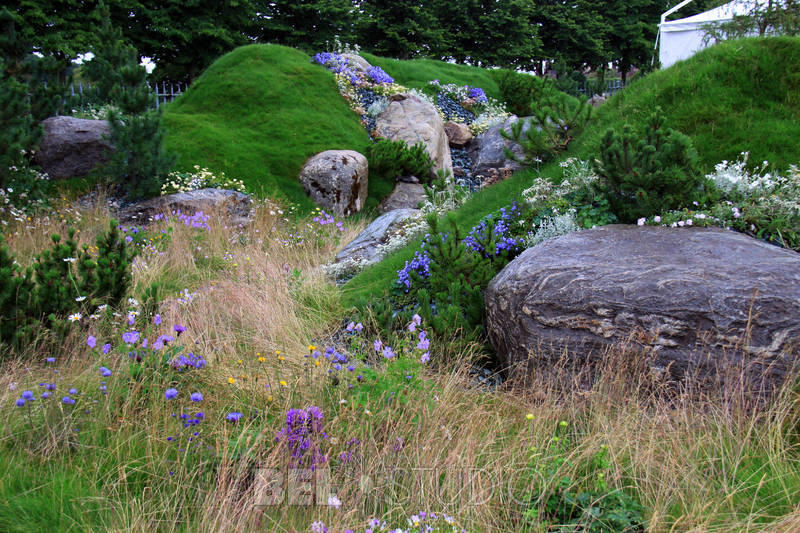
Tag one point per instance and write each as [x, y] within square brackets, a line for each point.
[496, 175]
[366, 247]
[487, 149]
[358, 63]
[72, 147]
[701, 302]
[404, 196]
[597, 100]
[411, 119]
[458, 135]
[337, 181]
[237, 206]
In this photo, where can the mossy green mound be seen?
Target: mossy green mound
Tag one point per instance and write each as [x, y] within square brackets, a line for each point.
[257, 114]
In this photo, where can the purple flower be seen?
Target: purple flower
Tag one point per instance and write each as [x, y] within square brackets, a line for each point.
[91, 341]
[105, 372]
[130, 336]
[179, 329]
[51, 359]
[233, 417]
[387, 352]
[21, 402]
[171, 394]
[196, 397]
[67, 400]
[423, 345]
[425, 357]
[28, 395]
[377, 345]
[106, 348]
[72, 391]
[45, 394]
[378, 76]
[351, 326]
[478, 94]
[157, 320]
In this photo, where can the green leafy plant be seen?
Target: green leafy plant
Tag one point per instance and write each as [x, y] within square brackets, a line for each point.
[522, 92]
[644, 172]
[389, 160]
[61, 281]
[557, 122]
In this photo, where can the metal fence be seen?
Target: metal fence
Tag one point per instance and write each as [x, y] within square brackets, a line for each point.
[612, 86]
[85, 95]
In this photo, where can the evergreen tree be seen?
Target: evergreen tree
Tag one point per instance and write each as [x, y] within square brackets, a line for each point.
[308, 24]
[139, 163]
[632, 27]
[402, 29]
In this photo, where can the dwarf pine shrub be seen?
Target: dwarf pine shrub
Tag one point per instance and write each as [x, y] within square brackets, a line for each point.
[62, 282]
[389, 160]
[645, 172]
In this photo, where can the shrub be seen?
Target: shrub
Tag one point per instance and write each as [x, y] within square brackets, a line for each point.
[46, 293]
[389, 160]
[644, 172]
[521, 92]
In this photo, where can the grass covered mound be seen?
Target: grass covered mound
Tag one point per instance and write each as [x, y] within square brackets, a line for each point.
[738, 96]
[257, 114]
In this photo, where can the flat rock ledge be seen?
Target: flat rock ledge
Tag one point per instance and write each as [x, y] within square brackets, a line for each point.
[701, 303]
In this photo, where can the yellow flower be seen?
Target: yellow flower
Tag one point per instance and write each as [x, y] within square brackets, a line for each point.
[283, 383]
[529, 416]
[316, 362]
[239, 361]
[311, 347]
[277, 352]
[262, 359]
[269, 398]
[281, 358]
[231, 381]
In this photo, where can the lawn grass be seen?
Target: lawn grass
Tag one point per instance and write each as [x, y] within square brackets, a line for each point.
[258, 113]
[417, 73]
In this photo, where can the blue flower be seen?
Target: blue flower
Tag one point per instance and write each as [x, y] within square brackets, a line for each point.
[67, 400]
[234, 416]
[28, 395]
[171, 394]
[105, 372]
[196, 397]
[51, 359]
[130, 336]
[106, 348]
[91, 341]
[20, 402]
[73, 391]
[157, 320]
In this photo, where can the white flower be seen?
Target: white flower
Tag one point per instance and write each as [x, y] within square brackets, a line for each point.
[75, 317]
[641, 221]
[334, 502]
[657, 219]
[80, 298]
[681, 223]
[342, 401]
[70, 259]
[689, 222]
[133, 302]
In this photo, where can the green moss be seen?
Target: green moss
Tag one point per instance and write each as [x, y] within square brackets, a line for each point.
[258, 113]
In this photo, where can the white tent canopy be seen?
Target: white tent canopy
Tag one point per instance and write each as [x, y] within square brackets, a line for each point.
[681, 39]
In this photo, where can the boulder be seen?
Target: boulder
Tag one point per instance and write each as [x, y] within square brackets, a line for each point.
[367, 246]
[337, 181]
[72, 147]
[405, 195]
[699, 302]
[235, 205]
[458, 135]
[411, 119]
[487, 150]
[358, 63]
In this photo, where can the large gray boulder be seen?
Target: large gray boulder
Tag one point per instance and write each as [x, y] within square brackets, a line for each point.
[368, 246]
[232, 204]
[411, 119]
[404, 196]
[487, 150]
[701, 302]
[358, 63]
[337, 181]
[72, 147]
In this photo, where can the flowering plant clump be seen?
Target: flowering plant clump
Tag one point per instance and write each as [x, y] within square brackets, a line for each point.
[421, 522]
[378, 76]
[303, 434]
[500, 227]
[200, 178]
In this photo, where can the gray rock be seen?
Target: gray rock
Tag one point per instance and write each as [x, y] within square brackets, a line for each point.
[487, 150]
[409, 118]
[699, 301]
[358, 63]
[233, 204]
[72, 147]
[337, 181]
[458, 135]
[404, 196]
[365, 247]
